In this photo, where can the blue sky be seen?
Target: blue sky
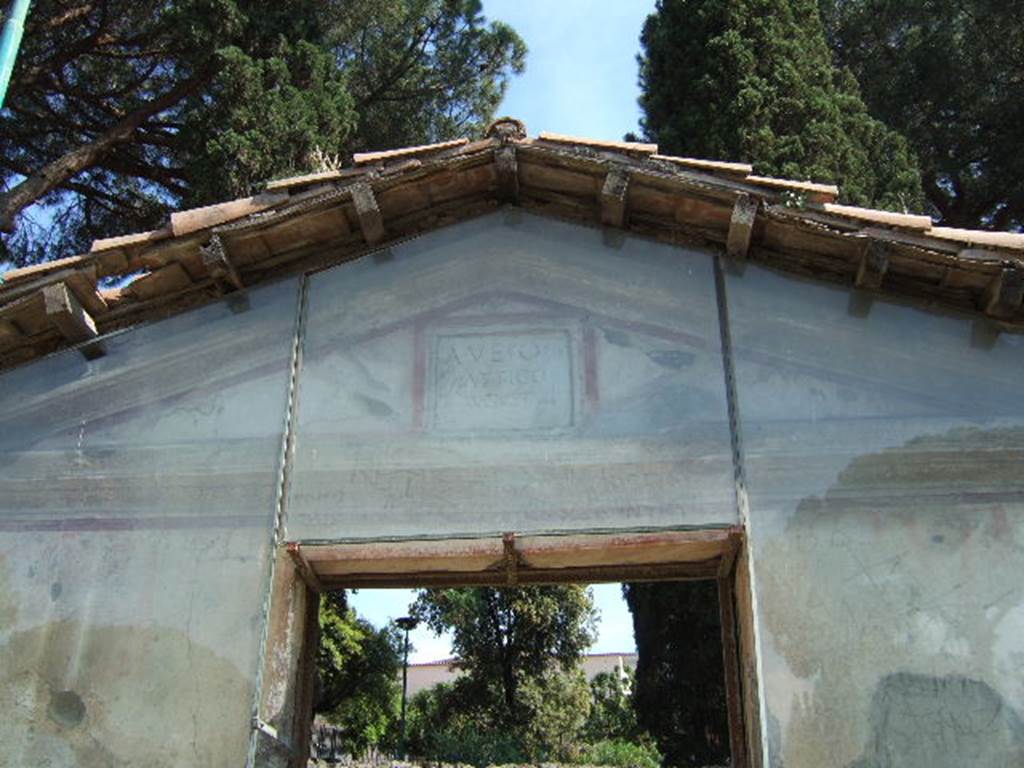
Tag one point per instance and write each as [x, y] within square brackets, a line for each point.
[615, 627]
[581, 71]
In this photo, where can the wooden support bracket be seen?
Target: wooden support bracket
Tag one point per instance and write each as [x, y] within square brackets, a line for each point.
[220, 266]
[303, 568]
[1003, 296]
[874, 263]
[71, 320]
[508, 541]
[613, 198]
[741, 226]
[508, 174]
[370, 220]
[9, 332]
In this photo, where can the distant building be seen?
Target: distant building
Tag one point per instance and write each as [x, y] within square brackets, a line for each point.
[429, 673]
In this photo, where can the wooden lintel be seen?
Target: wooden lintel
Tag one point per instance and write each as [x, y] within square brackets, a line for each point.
[1003, 295]
[70, 319]
[537, 559]
[741, 226]
[729, 552]
[219, 264]
[508, 174]
[874, 263]
[303, 567]
[370, 220]
[613, 198]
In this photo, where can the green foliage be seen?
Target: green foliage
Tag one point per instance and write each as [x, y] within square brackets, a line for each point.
[621, 754]
[520, 649]
[266, 118]
[460, 723]
[612, 715]
[358, 668]
[947, 74]
[444, 725]
[505, 636]
[558, 703]
[464, 743]
[680, 689]
[753, 80]
[423, 70]
[252, 89]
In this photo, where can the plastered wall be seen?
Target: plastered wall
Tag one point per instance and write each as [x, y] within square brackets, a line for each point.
[883, 454]
[511, 374]
[516, 373]
[137, 493]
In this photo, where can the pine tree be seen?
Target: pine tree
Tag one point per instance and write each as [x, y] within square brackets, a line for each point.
[121, 110]
[753, 80]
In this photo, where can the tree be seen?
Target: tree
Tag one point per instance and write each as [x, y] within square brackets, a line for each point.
[357, 670]
[612, 714]
[680, 674]
[510, 640]
[753, 80]
[949, 75]
[120, 110]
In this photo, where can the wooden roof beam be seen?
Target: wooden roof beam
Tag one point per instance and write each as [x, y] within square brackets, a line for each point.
[371, 222]
[1003, 296]
[741, 226]
[70, 319]
[613, 198]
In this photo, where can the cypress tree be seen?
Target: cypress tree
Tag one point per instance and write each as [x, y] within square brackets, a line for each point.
[753, 80]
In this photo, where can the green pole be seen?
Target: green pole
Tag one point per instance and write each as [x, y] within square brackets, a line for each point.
[13, 28]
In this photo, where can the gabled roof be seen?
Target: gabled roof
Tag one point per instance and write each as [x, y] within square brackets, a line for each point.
[313, 221]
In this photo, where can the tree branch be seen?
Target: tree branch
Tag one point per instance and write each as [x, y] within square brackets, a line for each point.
[56, 173]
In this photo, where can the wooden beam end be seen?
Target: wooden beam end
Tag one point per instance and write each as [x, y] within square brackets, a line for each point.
[67, 315]
[741, 226]
[508, 174]
[613, 198]
[371, 222]
[874, 263]
[1004, 294]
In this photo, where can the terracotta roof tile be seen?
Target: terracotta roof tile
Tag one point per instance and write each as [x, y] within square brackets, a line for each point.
[675, 199]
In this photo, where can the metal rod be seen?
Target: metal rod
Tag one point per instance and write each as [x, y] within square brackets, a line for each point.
[14, 27]
[407, 623]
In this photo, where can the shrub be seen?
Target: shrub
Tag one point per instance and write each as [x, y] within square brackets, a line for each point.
[621, 754]
[468, 744]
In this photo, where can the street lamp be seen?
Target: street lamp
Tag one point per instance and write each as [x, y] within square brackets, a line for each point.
[406, 623]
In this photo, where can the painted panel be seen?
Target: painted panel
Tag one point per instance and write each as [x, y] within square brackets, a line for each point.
[883, 454]
[137, 494]
[511, 374]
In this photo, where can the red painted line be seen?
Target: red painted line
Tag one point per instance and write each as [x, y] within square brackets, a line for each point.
[164, 523]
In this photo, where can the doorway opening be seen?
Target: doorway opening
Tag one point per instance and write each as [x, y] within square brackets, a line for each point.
[523, 671]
